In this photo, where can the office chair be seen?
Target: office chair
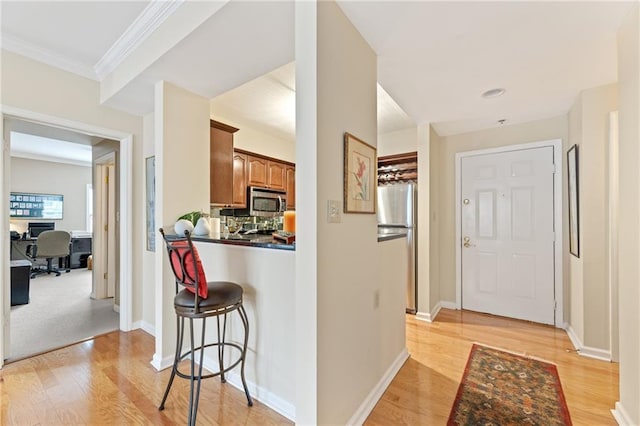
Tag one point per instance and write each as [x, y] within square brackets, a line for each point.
[200, 299]
[49, 245]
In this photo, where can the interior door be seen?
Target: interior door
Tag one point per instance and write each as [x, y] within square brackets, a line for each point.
[111, 230]
[508, 234]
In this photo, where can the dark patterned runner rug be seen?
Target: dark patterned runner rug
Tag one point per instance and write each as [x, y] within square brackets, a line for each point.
[501, 388]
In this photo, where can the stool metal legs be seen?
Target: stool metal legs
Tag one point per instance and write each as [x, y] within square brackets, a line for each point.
[245, 323]
[194, 388]
[176, 359]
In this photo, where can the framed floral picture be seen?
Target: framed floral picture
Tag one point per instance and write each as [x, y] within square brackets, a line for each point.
[360, 175]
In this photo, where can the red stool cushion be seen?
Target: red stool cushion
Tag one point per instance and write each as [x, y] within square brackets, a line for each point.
[192, 266]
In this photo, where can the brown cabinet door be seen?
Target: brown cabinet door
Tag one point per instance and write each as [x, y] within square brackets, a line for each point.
[276, 178]
[257, 171]
[221, 166]
[239, 180]
[291, 187]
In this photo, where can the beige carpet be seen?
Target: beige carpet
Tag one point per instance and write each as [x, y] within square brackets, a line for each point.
[60, 312]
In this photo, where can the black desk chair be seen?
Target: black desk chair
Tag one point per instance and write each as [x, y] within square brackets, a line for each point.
[202, 299]
[49, 245]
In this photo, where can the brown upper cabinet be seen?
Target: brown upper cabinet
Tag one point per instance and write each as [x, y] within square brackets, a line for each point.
[232, 171]
[239, 179]
[265, 172]
[290, 187]
[221, 164]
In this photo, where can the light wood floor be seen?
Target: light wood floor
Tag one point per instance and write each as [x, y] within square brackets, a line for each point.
[423, 391]
[110, 381]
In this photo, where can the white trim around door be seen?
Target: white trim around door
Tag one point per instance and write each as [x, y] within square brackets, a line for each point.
[126, 200]
[556, 144]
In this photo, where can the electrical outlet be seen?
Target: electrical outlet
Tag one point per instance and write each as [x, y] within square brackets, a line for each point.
[333, 211]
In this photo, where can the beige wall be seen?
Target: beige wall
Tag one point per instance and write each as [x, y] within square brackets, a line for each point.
[38, 88]
[54, 178]
[148, 257]
[433, 219]
[336, 278]
[398, 142]
[553, 128]
[181, 130]
[254, 140]
[347, 320]
[590, 305]
[575, 316]
[629, 219]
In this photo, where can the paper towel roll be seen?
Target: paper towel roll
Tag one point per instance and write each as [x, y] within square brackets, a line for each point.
[215, 225]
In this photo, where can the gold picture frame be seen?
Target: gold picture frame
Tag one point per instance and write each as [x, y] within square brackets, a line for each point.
[360, 175]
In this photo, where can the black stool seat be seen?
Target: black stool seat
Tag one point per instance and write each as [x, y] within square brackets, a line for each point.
[222, 295]
[199, 300]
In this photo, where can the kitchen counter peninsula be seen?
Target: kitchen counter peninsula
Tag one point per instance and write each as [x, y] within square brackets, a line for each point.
[266, 270]
[251, 240]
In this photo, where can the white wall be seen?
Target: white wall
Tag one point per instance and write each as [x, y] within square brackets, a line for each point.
[589, 129]
[267, 277]
[398, 142]
[629, 222]
[46, 177]
[553, 128]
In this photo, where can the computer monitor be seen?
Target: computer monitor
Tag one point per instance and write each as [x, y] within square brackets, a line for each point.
[36, 228]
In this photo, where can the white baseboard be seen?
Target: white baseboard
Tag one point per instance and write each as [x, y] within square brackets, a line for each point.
[374, 396]
[160, 364]
[145, 326]
[266, 397]
[586, 351]
[431, 316]
[424, 316]
[116, 308]
[448, 305]
[621, 415]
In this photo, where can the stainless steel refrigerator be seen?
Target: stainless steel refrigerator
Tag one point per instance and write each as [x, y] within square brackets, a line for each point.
[397, 214]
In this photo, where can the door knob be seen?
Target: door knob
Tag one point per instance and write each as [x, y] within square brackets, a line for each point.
[466, 242]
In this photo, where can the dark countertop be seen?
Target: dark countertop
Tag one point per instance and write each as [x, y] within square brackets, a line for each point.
[251, 240]
[387, 237]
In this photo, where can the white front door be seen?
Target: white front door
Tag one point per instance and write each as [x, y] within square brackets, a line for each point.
[508, 234]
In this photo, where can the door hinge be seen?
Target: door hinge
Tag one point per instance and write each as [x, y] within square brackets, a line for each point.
[553, 168]
[555, 305]
[105, 275]
[106, 179]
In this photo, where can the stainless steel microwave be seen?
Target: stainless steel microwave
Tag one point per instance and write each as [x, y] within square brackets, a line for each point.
[266, 202]
[262, 202]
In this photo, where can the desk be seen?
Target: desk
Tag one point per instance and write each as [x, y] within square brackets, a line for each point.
[20, 278]
[19, 249]
[79, 251]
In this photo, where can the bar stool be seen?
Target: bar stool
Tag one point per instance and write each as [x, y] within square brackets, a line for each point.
[200, 299]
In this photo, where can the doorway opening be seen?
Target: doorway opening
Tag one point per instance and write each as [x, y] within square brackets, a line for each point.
[123, 216]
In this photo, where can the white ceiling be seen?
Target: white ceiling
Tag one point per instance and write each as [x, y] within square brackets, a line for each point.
[24, 145]
[434, 58]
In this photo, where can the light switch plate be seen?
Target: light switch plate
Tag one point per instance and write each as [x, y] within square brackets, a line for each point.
[333, 211]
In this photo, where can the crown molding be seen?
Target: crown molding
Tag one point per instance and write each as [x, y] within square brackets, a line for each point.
[24, 48]
[142, 27]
